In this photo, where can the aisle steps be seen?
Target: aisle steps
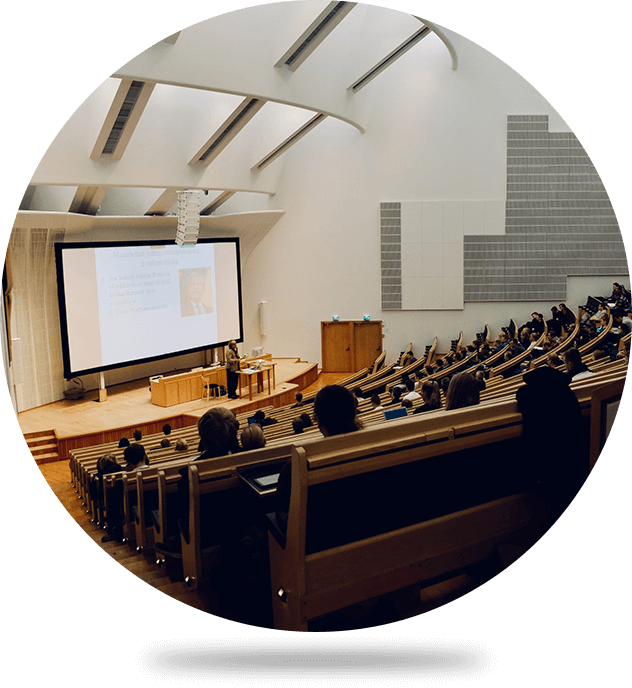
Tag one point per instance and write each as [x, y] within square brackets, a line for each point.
[43, 445]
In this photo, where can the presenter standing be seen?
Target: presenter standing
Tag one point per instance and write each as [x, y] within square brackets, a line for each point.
[232, 368]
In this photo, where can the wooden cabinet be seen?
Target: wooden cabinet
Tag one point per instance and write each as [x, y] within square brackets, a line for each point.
[350, 345]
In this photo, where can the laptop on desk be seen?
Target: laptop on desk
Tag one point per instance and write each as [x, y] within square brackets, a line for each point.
[399, 412]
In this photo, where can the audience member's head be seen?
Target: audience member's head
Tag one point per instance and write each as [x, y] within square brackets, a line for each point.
[107, 464]
[181, 445]
[358, 392]
[138, 435]
[410, 384]
[463, 391]
[259, 416]
[252, 437]
[299, 397]
[298, 426]
[572, 358]
[396, 393]
[430, 393]
[335, 410]
[135, 455]
[307, 421]
[218, 431]
[123, 442]
[375, 401]
[165, 442]
[166, 428]
[407, 403]
[553, 360]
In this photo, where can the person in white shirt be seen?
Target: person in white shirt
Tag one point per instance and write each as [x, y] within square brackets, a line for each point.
[411, 395]
[376, 403]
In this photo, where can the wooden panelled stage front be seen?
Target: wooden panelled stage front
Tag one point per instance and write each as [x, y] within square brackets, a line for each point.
[86, 422]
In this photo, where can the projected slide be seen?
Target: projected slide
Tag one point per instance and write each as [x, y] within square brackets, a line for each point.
[122, 304]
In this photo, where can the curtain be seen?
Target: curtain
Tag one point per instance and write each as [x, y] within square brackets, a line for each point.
[35, 337]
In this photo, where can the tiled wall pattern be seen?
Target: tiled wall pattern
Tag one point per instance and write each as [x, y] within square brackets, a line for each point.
[556, 221]
[559, 221]
[391, 252]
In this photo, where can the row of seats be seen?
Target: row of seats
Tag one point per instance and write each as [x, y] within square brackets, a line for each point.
[317, 562]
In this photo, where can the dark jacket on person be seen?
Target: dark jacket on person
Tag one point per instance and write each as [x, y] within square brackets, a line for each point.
[555, 441]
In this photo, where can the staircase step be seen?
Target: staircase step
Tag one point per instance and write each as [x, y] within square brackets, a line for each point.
[47, 458]
[43, 448]
[39, 433]
[43, 440]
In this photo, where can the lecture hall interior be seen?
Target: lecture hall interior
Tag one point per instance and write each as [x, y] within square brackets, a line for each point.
[359, 195]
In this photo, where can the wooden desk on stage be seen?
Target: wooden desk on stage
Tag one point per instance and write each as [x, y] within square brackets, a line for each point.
[178, 389]
[260, 374]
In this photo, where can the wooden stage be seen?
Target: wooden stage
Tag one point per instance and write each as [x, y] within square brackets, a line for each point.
[128, 406]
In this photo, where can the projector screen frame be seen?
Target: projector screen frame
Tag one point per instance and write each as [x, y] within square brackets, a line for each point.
[63, 315]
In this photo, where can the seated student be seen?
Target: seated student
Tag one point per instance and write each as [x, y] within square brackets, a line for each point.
[108, 464]
[335, 411]
[463, 391]
[567, 317]
[554, 326]
[548, 406]
[299, 400]
[536, 324]
[514, 370]
[298, 426]
[166, 428]
[407, 404]
[411, 395]
[376, 403]
[218, 433]
[218, 429]
[252, 437]
[554, 361]
[359, 394]
[181, 445]
[621, 299]
[105, 464]
[114, 519]
[138, 435]
[123, 442]
[431, 397]
[621, 322]
[396, 396]
[336, 414]
[307, 421]
[135, 458]
[576, 369]
[260, 417]
[165, 442]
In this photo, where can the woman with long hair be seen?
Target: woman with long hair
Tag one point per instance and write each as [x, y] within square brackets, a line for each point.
[463, 391]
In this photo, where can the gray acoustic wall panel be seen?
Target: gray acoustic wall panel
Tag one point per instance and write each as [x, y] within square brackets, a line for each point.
[391, 255]
[558, 221]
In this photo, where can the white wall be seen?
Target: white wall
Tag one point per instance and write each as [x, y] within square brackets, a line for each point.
[431, 134]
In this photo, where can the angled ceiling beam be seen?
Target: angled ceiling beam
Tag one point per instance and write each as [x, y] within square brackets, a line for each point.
[123, 116]
[315, 34]
[220, 200]
[389, 59]
[446, 41]
[246, 110]
[87, 199]
[164, 202]
[289, 141]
